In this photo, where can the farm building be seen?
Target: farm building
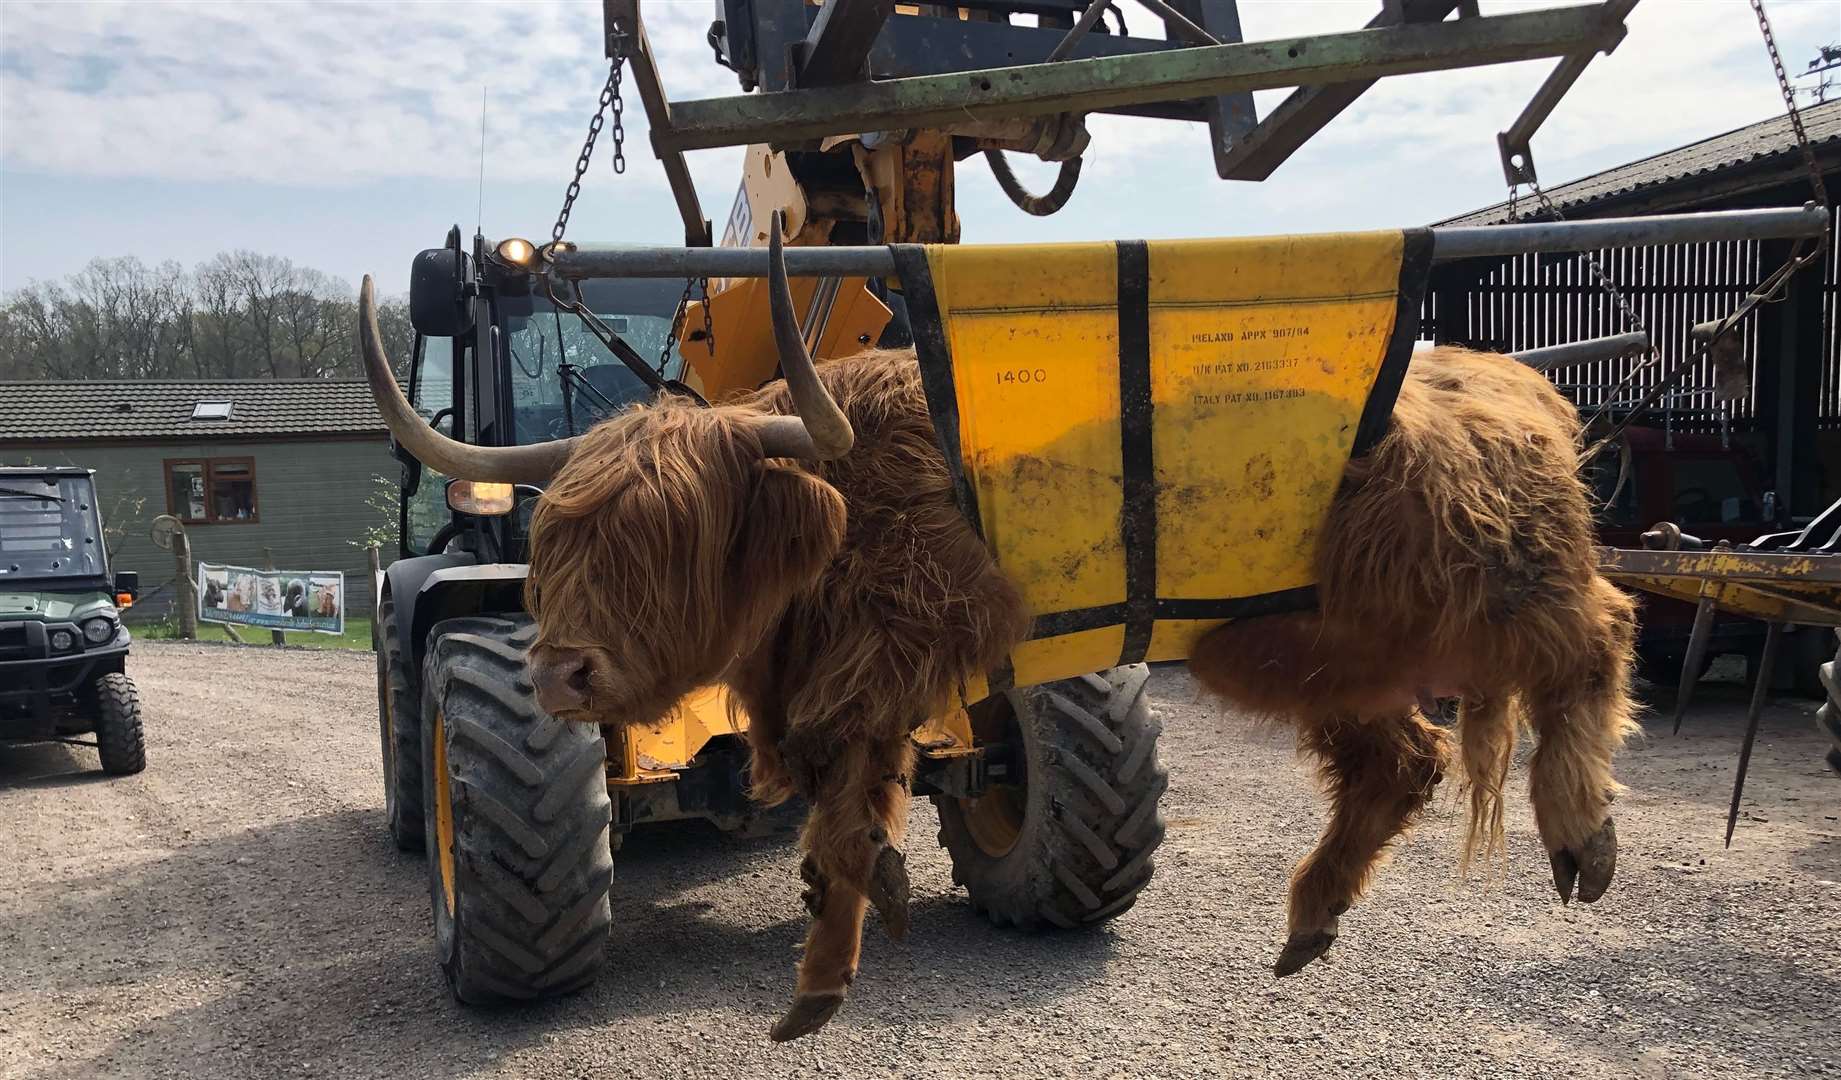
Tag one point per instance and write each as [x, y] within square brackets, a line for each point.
[253, 468]
[1724, 467]
[1790, 420]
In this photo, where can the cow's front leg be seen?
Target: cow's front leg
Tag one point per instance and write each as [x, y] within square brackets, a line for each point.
[1380, 773]
[852, 860]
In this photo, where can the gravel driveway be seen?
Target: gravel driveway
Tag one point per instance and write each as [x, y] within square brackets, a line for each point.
[238, 911]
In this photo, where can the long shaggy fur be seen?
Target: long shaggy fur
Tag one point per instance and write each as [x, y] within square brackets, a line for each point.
[842, 601]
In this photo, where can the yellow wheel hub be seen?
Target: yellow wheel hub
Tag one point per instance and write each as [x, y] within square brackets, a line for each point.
[444, 816]
[995, 819]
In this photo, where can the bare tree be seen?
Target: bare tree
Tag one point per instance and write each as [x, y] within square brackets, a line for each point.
[238, 315]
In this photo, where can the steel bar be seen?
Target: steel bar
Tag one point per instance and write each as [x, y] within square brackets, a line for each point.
[1179, 22]
[1513, 143]
[1449, 244]
[1582, 352]
[1767, 658]
[626, 35]
[1698, 640]
[1477, 241]
[939, 101]
[1065, 47]
[1308, 109]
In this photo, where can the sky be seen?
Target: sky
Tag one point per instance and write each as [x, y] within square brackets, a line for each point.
[348, 136]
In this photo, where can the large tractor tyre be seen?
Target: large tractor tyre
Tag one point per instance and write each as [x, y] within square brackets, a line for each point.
[1064, 838]
[399, 722]
[119, 742]
[517, 813]
[1828, 717]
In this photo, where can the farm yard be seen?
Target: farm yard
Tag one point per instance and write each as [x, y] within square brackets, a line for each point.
[238, 910]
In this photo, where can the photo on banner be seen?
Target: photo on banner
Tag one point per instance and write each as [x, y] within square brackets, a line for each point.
[278, 599]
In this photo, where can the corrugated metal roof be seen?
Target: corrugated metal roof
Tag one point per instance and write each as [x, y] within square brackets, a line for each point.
[163, 410]
[1768, 147]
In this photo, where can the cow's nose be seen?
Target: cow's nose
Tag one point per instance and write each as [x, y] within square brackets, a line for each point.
[561, 681]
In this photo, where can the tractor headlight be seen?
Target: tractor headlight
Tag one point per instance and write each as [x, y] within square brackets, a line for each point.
[98, 630]
[61, 640]
[516, 252]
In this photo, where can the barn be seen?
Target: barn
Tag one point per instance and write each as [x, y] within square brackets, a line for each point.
[1722, 467]
[295, 470]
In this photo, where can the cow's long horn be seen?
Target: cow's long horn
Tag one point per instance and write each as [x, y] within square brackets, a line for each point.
[820, 430]
[535, 464]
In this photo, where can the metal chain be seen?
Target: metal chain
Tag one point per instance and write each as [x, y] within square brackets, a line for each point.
[610, 98]
[678, 316]
[1789, 101]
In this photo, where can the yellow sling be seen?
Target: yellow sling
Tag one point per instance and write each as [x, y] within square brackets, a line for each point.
[1148, 434]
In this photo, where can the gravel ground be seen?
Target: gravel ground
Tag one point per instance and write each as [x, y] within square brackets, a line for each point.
[237, 911]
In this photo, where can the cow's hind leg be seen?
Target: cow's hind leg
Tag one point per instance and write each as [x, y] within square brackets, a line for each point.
[1380, 772]
[1580, 718]
[859, 808]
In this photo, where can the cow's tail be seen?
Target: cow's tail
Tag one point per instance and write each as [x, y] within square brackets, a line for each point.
[1487, 729]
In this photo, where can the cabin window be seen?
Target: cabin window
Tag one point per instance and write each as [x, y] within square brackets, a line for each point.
[212, 491]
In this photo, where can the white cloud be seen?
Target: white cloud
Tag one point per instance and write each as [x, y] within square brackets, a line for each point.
[318, 94]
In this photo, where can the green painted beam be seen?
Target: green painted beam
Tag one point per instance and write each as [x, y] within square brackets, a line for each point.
[941, 101]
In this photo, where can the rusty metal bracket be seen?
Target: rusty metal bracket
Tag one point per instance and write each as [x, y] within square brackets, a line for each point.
[626, 36]
[1256, 153]
[1588, 350]
[1517, 158]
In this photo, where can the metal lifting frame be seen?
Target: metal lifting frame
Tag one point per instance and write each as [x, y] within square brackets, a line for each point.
[1449, 244]
[816, 84]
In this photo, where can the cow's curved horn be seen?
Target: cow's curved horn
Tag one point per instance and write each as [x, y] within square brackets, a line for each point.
[820, 430]
[502, 464]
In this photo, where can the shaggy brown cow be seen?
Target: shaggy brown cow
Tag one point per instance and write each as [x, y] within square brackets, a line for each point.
[843, 597]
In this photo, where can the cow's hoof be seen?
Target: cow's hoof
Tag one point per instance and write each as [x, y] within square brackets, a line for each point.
[1589, 867]
[889, 891]
[808, 1013]
[1303, 947]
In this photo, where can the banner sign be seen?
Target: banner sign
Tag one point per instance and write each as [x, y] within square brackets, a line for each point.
[278, 599]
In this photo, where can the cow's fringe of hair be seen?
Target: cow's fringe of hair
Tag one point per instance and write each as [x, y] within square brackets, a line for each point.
[1487, 730]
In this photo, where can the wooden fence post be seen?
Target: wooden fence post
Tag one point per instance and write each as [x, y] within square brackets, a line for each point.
[188, 589]
[268, 563]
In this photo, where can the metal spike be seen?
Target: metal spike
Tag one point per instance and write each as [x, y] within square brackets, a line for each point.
[1766, 659]
[1698, 640]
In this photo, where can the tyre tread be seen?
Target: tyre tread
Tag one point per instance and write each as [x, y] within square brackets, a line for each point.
[1097, 739]
[120, 742]
[534, 868]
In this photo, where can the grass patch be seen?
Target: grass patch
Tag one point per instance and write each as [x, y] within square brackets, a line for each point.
[357, 635]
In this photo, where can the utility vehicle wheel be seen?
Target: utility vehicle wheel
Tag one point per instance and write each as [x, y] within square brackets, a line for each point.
[1065, 837]
[1828, 717]
[517, 816]
[399, 722]
[118, 725]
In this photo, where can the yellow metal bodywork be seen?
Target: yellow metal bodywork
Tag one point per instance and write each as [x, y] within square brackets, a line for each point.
[444, 815]
[744, 356]
[652, 755]
[1263, 355]
[744, 337]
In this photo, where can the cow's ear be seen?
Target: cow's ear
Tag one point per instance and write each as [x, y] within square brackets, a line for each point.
[791, 529]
